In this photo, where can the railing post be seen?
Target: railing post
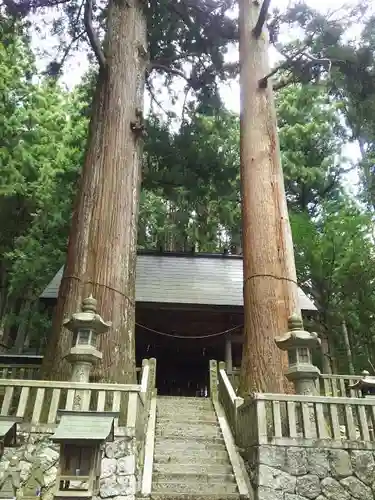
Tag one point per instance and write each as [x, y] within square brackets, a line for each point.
[213, 380]
[152, 374]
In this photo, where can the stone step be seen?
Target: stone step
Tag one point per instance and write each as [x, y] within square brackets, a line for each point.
[189, 439]
[200, 419]
[192, 456]
[193, 488]
[195, 478]
[186, 496]
[192, 468]
[184, 399]
[186, 417]
[183, 444]
[188, 431]
[187, 402]
[198, 403]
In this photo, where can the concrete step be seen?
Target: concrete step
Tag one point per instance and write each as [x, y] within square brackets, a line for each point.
[194, 478]
[193, 488]
[188, 431]
[186, 496]
[192, 468]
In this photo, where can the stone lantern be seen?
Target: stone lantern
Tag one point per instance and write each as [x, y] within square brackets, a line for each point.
[86, 326]
[299, 344]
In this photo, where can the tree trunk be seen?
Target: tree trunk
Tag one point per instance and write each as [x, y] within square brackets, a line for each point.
[270, 288]
[326, 355]
[348, 349]
[103, 237]
[24, 317]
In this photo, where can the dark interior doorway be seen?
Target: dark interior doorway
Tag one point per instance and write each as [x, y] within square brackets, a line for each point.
[182, 365]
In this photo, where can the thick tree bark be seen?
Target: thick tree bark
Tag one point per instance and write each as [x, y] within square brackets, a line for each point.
[103, 236]
[270, 288]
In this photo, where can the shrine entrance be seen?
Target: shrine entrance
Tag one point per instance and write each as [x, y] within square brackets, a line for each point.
[181, 370]
[183, 342]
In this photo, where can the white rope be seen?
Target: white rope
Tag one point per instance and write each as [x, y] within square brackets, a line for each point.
[189, 336]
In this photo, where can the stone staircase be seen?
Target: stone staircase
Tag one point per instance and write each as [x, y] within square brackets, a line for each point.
[190, 456]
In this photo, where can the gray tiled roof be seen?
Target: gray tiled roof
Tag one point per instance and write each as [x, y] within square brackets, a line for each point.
[186, 279]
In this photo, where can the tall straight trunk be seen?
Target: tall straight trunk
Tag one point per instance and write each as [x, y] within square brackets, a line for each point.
[24, 317]
[348, 349]
[326, 355]
[270, 287]
[103, 237]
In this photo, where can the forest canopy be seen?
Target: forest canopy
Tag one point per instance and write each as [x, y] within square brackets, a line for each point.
[190, 195]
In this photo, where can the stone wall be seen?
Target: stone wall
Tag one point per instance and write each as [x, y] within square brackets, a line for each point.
[33, 466]
[296, 473]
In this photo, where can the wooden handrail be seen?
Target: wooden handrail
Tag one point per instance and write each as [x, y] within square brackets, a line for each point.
[54, 384]
[285, 418]
[281, 419]
[37, 401]
[299, 398]
[228, 398]
[227, 384]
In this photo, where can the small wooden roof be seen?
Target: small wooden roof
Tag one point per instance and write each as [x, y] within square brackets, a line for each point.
[85, 426]
[6, 424]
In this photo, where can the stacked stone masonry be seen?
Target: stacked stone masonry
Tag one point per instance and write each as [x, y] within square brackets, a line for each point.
[296, 473]
[33, 465]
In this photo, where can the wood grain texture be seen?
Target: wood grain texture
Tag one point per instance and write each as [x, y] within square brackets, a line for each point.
[270, 289]
[103, 236]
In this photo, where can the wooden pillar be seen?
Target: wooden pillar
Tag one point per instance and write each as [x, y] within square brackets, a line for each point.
[228, 355]
[270, 287]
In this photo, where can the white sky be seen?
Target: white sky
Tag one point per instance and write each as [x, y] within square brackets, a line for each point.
[78, 65]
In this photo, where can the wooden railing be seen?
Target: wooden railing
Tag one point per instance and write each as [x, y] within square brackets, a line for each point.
[296, 419]
[20, 366]
[27, 367]
[227, 398]
[147, 388]
[37, 401]
[19, 372]
[234, 377]
[327, 385]
[301, 420]
[338, 385]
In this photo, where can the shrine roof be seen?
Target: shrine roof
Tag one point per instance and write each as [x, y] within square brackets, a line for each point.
[186, 278]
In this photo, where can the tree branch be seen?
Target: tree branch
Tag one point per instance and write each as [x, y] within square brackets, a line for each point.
[257, 31]
[167, 69]
[153, 97]
[94, 40]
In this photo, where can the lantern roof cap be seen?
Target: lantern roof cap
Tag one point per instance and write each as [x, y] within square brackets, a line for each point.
[88, 318]
[297, 336]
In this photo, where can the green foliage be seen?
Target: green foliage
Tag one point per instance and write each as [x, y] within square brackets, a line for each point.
[194, 174]
[311, 138]
[42, 139]
[336, 266]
